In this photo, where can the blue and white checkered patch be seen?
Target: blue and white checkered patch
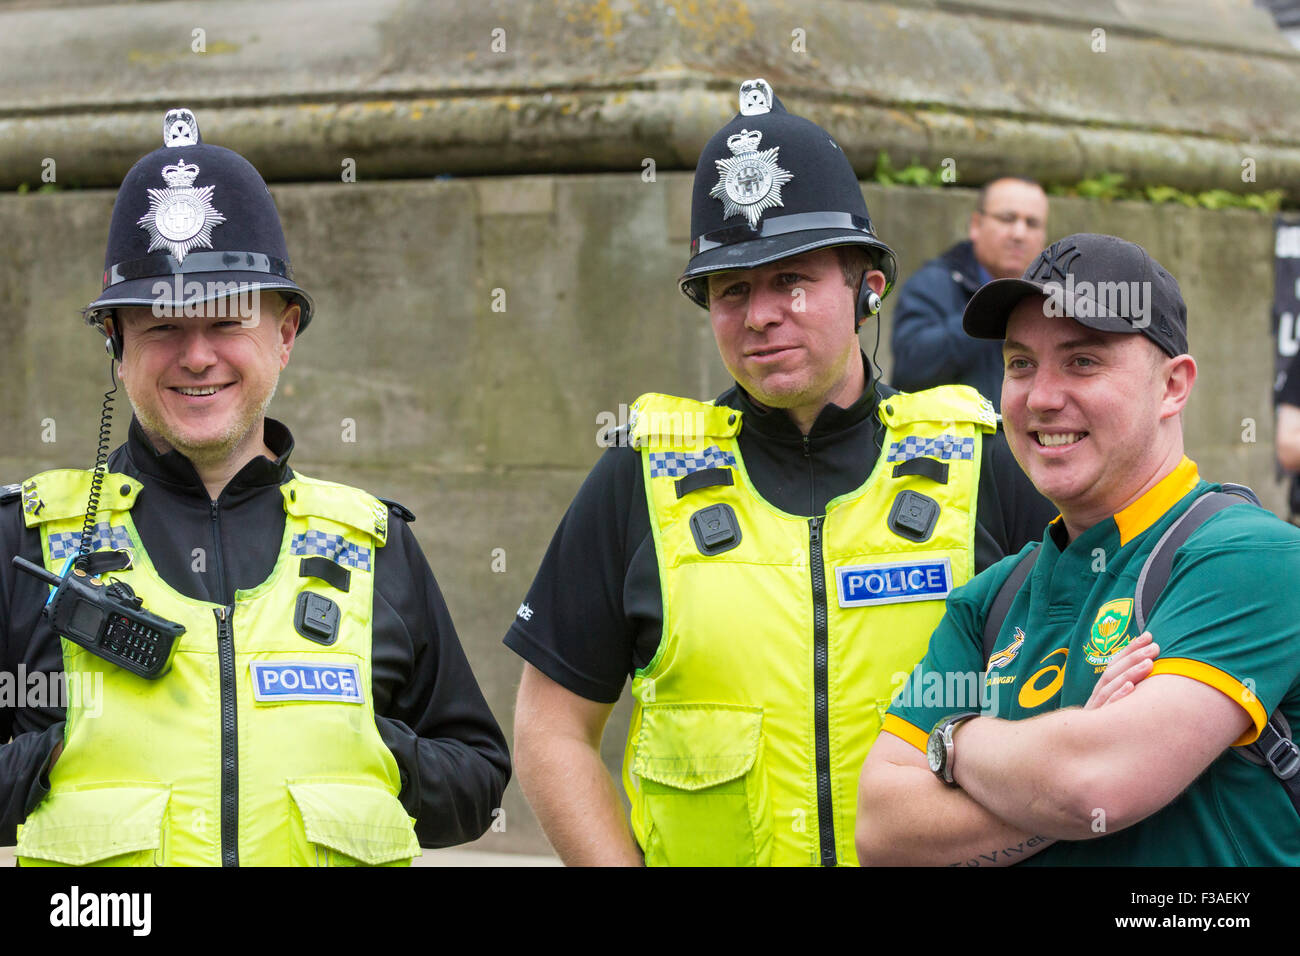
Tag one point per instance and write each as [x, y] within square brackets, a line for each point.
[676, 464]
[333, 546]
[945, 447]
[64, 544]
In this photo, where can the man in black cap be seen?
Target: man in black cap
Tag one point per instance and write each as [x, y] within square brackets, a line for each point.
[316, 707]
[1147, 635]
[763, 566]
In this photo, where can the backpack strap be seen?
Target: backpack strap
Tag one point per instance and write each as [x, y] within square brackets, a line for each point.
[1002, 603]
[1160, 562]
[1274, 747]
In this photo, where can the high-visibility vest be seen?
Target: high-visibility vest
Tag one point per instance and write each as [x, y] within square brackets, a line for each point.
[785, 637]
[259, 746]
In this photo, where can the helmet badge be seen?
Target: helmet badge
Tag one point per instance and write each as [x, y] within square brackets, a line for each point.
[755, 97]
[180, 217]
[180, 128]
[750, 182]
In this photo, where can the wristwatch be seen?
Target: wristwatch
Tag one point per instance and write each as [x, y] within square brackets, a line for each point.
[939, 749]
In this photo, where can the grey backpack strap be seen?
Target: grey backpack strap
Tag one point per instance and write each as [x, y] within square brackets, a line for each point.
[1274, 747]
[1159, 563]
[1002, 603]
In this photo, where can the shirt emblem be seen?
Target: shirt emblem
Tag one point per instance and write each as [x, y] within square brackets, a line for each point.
[1109, 634]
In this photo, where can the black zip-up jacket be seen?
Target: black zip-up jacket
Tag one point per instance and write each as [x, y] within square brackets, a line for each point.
[429, 709]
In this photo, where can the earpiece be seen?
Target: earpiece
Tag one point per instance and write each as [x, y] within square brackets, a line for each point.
[112, 340]
[868, 301]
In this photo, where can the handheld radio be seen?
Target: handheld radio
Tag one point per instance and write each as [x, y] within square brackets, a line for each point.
[107, 619]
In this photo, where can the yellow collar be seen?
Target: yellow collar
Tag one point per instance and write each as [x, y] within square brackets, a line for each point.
[1148, 509]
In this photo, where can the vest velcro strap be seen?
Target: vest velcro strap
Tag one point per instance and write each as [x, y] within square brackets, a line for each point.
[707, 478]
[932, 468]
[664, 421]
[62, 494]
[947, 403]
[327, 571]
[310, 497]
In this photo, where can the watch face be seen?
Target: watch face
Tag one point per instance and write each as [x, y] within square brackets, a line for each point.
[934, 752]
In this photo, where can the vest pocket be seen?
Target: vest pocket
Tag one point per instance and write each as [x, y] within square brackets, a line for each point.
[105, 826]
[349, 824]
[703, 787]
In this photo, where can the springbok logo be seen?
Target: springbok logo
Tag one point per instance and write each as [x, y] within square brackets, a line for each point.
[1008, 654]
[1109, 632]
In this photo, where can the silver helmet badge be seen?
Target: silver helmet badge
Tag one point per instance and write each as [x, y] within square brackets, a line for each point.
[750, 182]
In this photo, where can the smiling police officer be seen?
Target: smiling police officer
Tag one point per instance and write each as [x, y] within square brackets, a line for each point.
[318, 708]
[762, 565]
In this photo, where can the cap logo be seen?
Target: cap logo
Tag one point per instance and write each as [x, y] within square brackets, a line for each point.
[749, 183]
[755, 97]
[1054, 259]
[180, 217]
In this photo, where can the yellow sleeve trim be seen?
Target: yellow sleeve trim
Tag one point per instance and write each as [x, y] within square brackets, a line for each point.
[1225, 683]
[900, 728]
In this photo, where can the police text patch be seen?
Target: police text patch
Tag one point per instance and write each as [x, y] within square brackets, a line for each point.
[296, 680]
[895, 582]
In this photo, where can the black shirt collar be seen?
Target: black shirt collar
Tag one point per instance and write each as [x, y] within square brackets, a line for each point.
[173, 468]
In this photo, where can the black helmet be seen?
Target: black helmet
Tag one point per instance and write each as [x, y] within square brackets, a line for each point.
[767, 160]
[192, 223]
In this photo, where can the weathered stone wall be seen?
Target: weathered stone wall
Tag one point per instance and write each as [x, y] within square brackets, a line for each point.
[1165, 91]
[484, 423]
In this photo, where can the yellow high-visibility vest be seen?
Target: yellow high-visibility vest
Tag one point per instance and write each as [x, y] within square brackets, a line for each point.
[785, 637]
[259, 746]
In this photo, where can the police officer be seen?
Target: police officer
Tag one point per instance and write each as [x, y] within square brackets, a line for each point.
[763, 566]
[318, 708]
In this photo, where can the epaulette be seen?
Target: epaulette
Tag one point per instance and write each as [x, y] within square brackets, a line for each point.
[10, 493]
[620, 437]
[399, 509]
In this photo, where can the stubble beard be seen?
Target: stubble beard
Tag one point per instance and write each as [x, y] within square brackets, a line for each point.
[215, 451]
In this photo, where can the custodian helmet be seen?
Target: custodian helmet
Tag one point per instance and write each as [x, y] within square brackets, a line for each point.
[769, 185]
[193, 223]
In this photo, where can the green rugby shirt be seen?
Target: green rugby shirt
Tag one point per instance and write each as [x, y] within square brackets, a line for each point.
[1228, 617]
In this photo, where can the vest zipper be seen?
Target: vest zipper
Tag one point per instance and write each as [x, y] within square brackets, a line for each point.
[821, 702]
[229, 758]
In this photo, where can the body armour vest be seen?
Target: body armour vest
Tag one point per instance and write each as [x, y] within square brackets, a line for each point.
[259, 746]
[785, 637]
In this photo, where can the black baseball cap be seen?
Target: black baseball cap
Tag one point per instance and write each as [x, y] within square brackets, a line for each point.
[1103, 282]
[770, 185]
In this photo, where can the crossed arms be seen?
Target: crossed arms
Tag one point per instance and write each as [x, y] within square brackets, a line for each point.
[1072, 774]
